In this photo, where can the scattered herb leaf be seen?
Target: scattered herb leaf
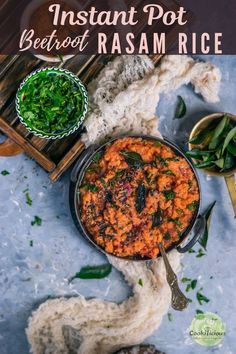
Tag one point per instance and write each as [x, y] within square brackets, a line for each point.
[170, 316]
[193, 283]
[5, 173]
[198, 312]
[200, 253]
[185, 280]
[180, 108]
[37, 221]
[207, 215]
[140, 282]
[28, 199]
[93, 272]
[201, 298]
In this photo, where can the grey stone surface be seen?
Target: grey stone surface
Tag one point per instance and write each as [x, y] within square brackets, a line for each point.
[29, 275]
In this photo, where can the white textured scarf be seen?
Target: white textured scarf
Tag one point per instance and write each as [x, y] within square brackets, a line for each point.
[123, 99]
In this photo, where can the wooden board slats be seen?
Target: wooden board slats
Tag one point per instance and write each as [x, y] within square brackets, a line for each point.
[54, 156]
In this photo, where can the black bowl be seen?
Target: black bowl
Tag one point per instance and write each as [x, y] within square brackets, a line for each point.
[196, 226]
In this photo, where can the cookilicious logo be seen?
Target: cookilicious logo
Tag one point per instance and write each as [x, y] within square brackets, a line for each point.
[207, 329]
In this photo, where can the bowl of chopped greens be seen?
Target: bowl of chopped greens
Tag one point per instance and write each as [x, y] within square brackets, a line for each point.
[52, 103]
[212, 144]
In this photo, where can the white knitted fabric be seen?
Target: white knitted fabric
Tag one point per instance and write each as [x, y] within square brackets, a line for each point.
[123, 99]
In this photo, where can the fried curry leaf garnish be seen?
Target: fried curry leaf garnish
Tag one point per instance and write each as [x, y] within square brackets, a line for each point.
[207, 215]
[132, 158]
[140, 202]
[157, 218]
[180, 108]
[93, 272]
[169, 194]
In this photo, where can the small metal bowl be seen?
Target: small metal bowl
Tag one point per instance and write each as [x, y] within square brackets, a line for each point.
[202, 124]
[228, 175]
[62, 133]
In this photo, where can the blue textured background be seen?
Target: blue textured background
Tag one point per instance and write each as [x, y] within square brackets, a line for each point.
[29, 275]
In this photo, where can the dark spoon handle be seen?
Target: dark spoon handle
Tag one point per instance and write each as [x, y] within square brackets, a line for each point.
[178, 300]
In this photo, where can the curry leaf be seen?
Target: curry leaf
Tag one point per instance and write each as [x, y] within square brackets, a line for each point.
[205, 164]
[232, 149]
[140, 198]
[200, 137]
[218, 131]
[196, 153]
[180, 108]
[157, 218]
[229, 162]
[93, 272]
[207, 215]
[228, 138]
[132, 158]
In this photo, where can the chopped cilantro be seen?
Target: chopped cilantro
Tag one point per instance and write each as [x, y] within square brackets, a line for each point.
[28, 199]
[198, 312]
[200, 253]
[37, 221]
[201, 298]
[192, 206]
[167, 236]
[169, 194]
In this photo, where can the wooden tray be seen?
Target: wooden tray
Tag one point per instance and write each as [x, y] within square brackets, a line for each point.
[54, 156]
